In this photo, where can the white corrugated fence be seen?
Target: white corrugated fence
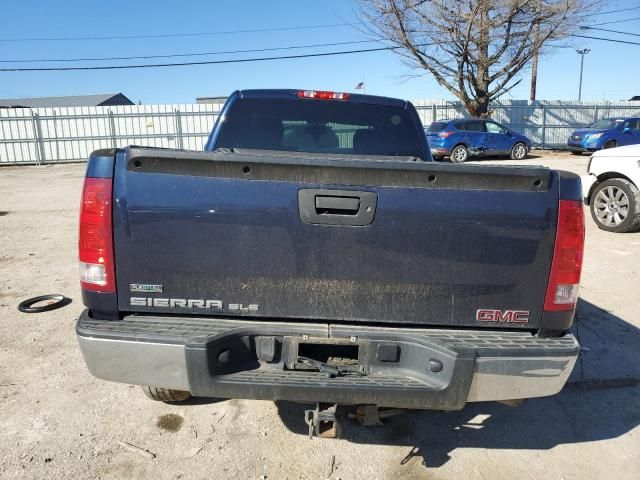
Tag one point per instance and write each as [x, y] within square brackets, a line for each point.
[49, 135]
[46, 135]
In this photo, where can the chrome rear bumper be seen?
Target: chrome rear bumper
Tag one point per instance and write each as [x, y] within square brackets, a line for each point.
[228, 358]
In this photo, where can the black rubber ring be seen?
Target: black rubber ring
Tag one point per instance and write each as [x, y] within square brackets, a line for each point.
[60, 301]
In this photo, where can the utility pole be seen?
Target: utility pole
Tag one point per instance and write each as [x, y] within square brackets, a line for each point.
[582, 53]
[534, 76]
[534, 60]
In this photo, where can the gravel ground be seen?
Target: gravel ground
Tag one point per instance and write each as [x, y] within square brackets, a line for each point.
[60, 422]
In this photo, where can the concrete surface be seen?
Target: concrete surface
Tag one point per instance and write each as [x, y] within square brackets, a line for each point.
[59, 422]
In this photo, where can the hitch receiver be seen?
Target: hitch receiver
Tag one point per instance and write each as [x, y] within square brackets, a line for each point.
[323, 421]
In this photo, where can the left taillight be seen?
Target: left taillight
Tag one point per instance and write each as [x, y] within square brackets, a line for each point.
[95, 242]
[566, 266]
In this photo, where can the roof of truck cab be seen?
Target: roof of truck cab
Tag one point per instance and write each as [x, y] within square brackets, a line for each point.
[290, 93]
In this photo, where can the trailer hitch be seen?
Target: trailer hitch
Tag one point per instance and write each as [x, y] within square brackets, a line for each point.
[370, 415]
[323, 421]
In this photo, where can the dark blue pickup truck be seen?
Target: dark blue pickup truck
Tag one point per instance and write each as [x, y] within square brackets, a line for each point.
[315, 253]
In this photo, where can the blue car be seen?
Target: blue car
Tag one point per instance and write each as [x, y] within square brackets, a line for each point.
[462, 138]
[605, 133]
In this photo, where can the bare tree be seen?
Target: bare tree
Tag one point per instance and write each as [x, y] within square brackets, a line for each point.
[474, 48]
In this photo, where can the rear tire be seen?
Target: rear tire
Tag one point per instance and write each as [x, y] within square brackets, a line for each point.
[610, 144]
[459, 154]
[519, 151]
[165, 394]
[615, 206]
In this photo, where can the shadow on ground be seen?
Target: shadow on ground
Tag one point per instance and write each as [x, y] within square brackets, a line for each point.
[201, 401]
[529, 156]
[611, 347]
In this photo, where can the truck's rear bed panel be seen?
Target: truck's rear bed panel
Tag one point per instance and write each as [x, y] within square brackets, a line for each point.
[445, 240]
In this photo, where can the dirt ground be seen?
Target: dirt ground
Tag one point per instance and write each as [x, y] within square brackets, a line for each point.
[57, 421]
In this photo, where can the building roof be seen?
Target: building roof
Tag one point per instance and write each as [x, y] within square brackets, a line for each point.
[103, 99]
[211, 99]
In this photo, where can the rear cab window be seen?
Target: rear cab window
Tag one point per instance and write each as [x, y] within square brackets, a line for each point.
[320, 126]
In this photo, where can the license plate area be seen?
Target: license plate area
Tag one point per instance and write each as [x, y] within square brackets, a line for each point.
[300, 353]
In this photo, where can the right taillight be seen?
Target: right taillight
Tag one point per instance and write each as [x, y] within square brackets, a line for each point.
[564, 279]
[95, 243]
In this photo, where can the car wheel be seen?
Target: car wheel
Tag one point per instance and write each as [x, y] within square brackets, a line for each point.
[519, 151]
[165, 394]
[573, 152]
[459, 154]
[610, 144]
[615, 206]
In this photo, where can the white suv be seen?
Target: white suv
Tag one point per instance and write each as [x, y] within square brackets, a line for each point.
[611, 188]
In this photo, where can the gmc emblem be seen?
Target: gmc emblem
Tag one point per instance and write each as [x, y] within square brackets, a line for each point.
[502, 316]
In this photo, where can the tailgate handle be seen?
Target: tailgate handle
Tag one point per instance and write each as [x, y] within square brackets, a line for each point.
[330, 205]
[337, 207]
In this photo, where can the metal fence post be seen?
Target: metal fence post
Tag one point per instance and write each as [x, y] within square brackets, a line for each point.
[544, 126]
[434, 113]
[37, 135]
[112, 129]
[178, 120]
[595, 113]
[55, 134]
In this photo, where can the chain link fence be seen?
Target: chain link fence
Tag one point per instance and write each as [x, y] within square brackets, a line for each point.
[51, 135]
[547, 123]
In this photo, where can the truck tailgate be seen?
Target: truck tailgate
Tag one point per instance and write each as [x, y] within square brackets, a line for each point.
[262, 235]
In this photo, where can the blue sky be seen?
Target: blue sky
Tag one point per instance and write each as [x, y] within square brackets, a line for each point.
[611, 70]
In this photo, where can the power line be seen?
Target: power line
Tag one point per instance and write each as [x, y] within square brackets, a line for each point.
[615, 11]
[607, 39]
[248, 60]
[208, 62]
[615, 21]
[230, 32]
[174, 35]
[192, 54]
[611, 31]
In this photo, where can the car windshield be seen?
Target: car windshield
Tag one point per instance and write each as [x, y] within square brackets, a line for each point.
[320, 126]
[607, 123]
[437, 127]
